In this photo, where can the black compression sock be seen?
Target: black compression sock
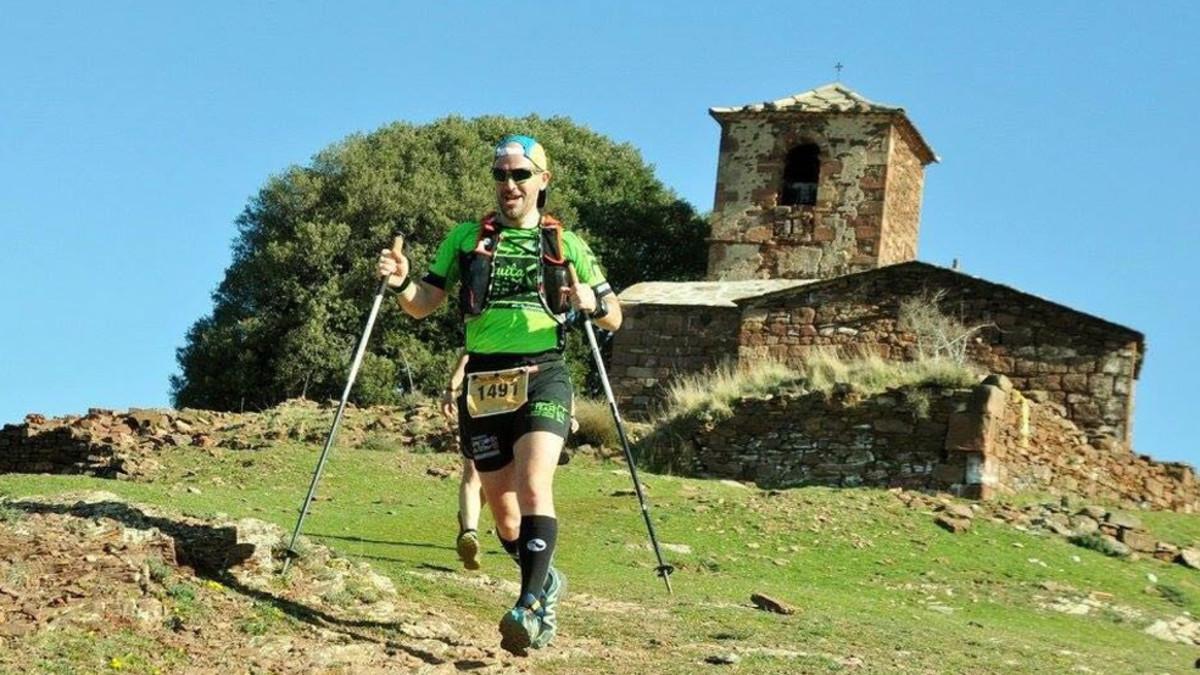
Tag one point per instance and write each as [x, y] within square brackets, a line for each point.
[511, 548]
[538, 537]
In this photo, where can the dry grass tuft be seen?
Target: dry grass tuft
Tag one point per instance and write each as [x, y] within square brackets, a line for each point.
[595, 424]
[870, 374]
[713, 390]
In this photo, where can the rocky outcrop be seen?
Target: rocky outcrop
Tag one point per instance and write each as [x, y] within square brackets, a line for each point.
[91, 564]
[112, 444]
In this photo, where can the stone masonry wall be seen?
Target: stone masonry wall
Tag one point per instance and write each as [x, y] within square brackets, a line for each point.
[807, 439]
[1037, 448]
[755, 237]
[1084, 364]
[902, 201]
[92, 444]
[657, 342]
[979, 443]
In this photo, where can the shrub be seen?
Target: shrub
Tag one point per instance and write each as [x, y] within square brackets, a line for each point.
[159, 570]
[939, 335]
[868, 373]
[8, 514]
[1172, 594]
[1099, 544]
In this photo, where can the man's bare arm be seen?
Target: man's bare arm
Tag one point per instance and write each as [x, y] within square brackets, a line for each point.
[420, 299]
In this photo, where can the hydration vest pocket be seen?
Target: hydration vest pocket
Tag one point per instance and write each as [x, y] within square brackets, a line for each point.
[475, 277]
[555, 281]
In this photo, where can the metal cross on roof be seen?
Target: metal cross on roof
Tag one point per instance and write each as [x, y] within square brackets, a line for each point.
[838, 67]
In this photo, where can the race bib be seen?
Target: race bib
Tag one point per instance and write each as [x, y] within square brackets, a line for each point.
[497, 392]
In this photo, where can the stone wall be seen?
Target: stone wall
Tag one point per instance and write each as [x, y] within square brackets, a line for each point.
[844, 440]
[979, 443]
[1037, 449]
[753, 236]
[1085, 364]
[657, 342]
[43, 445]
[902, 201]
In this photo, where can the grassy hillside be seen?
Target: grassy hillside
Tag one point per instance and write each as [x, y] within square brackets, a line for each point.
[877, 586]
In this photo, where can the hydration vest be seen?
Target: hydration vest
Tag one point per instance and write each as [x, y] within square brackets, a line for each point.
[476, 269]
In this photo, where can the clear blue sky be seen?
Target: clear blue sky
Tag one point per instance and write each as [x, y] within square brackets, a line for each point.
[133, 133]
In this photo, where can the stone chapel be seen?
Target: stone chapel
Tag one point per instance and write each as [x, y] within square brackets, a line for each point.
[813, 244]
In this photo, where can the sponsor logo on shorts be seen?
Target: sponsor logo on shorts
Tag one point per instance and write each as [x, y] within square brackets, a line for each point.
[484, 446]
[549, 409]
[536, 545]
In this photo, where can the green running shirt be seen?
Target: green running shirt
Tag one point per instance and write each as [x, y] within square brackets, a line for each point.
[514, 321]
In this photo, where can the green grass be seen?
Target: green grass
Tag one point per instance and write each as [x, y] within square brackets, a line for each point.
[72, 651]
[1181, 531]
[870, 578]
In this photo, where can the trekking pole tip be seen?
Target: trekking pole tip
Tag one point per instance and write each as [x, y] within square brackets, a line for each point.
[665, 571]
[289, 554]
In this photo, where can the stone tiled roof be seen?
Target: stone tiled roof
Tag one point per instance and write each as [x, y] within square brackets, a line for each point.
[834, 97]
[704, 293]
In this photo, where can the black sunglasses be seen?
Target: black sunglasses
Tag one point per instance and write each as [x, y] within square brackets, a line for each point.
[517, 175]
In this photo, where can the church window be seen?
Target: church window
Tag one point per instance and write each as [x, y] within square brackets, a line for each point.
[800, 176]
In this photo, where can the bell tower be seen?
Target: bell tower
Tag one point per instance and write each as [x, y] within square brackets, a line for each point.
[814, 186]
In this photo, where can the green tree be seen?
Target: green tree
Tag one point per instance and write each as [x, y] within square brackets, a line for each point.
[294, 299]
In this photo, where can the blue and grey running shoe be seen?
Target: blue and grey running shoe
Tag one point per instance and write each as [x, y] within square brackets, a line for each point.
[552, 591]
[521, 626]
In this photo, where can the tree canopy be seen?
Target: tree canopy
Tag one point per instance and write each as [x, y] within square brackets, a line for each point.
[293, 302]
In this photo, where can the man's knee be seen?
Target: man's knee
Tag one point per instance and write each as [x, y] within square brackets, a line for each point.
[535, 499]
[508, 526]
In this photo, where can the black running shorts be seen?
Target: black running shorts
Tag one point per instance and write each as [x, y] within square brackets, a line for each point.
[489, 440]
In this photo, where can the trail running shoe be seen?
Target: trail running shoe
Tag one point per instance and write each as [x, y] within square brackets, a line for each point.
[468, 549]
[521, 626]
[553, 590]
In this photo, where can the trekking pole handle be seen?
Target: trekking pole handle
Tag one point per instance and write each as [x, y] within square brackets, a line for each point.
[397, 247]
[575, 282]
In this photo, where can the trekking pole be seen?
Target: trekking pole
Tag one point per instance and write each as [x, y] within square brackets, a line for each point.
[397, 244]
[663, 570]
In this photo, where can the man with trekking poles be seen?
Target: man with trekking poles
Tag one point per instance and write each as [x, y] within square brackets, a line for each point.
[518, 273]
